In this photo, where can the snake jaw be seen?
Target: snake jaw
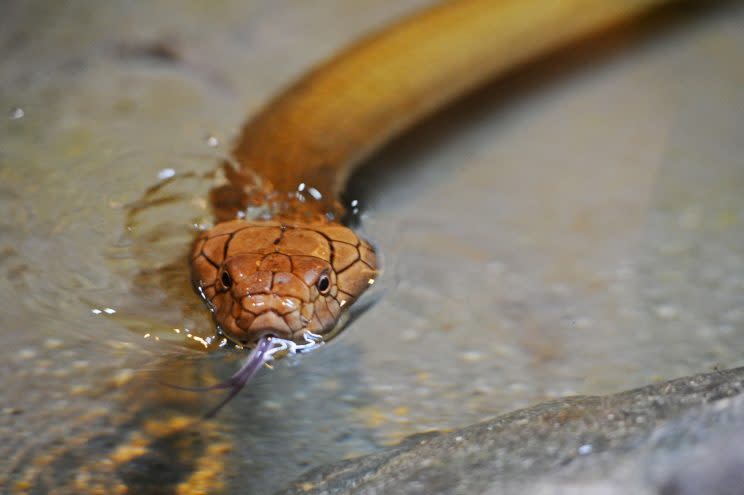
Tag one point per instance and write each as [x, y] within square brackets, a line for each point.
[261, 278]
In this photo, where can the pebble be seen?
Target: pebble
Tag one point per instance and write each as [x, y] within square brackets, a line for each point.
[471, 356]
[27, 353]
[53, 344]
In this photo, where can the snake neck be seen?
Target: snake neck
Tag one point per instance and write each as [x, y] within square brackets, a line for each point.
[247, 195]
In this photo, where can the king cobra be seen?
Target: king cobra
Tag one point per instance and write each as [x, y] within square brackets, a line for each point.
[279, 264]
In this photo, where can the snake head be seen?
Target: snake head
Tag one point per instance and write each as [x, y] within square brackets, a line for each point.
[283, 279]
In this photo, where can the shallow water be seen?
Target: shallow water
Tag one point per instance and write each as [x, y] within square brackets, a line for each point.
[576, 228]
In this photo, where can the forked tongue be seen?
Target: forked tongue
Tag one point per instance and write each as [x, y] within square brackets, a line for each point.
[268, 348]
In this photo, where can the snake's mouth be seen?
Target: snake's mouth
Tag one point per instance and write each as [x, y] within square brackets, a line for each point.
[268, 323]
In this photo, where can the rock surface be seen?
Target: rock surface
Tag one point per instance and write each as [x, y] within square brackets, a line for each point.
[673, 438]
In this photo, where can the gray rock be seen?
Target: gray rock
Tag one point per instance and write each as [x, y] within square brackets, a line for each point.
[675, 438]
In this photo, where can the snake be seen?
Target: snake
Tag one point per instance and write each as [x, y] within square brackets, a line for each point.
[281, 263]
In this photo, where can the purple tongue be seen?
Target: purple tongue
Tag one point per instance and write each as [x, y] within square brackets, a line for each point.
[255, 360]
[258, 356]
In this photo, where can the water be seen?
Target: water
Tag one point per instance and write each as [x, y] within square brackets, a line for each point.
[574, 229]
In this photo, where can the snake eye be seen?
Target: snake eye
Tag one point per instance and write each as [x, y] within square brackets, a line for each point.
[323, 284]
[226, 279]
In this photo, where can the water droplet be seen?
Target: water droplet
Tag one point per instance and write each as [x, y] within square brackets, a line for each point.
[315, 193]
[585, 449]
[166, 173]
[17, 113]
[212, 141]
[289, 304]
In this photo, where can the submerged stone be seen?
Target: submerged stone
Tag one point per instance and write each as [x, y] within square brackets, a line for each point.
[672, 438]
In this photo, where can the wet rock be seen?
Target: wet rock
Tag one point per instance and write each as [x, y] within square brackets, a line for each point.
[673, 438]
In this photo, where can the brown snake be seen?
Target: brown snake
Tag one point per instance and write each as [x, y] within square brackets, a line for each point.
[293, 268]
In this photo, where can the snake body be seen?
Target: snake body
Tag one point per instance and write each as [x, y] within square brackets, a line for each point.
[296, 269]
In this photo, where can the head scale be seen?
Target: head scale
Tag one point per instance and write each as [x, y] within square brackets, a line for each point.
[269, 278]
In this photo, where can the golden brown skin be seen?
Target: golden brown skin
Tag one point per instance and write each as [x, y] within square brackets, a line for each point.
[274, 278]
[313, 133]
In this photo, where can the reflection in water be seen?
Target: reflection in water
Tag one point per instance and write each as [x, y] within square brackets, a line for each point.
[148, 439]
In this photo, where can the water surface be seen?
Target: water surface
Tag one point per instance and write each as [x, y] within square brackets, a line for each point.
[575, 229]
